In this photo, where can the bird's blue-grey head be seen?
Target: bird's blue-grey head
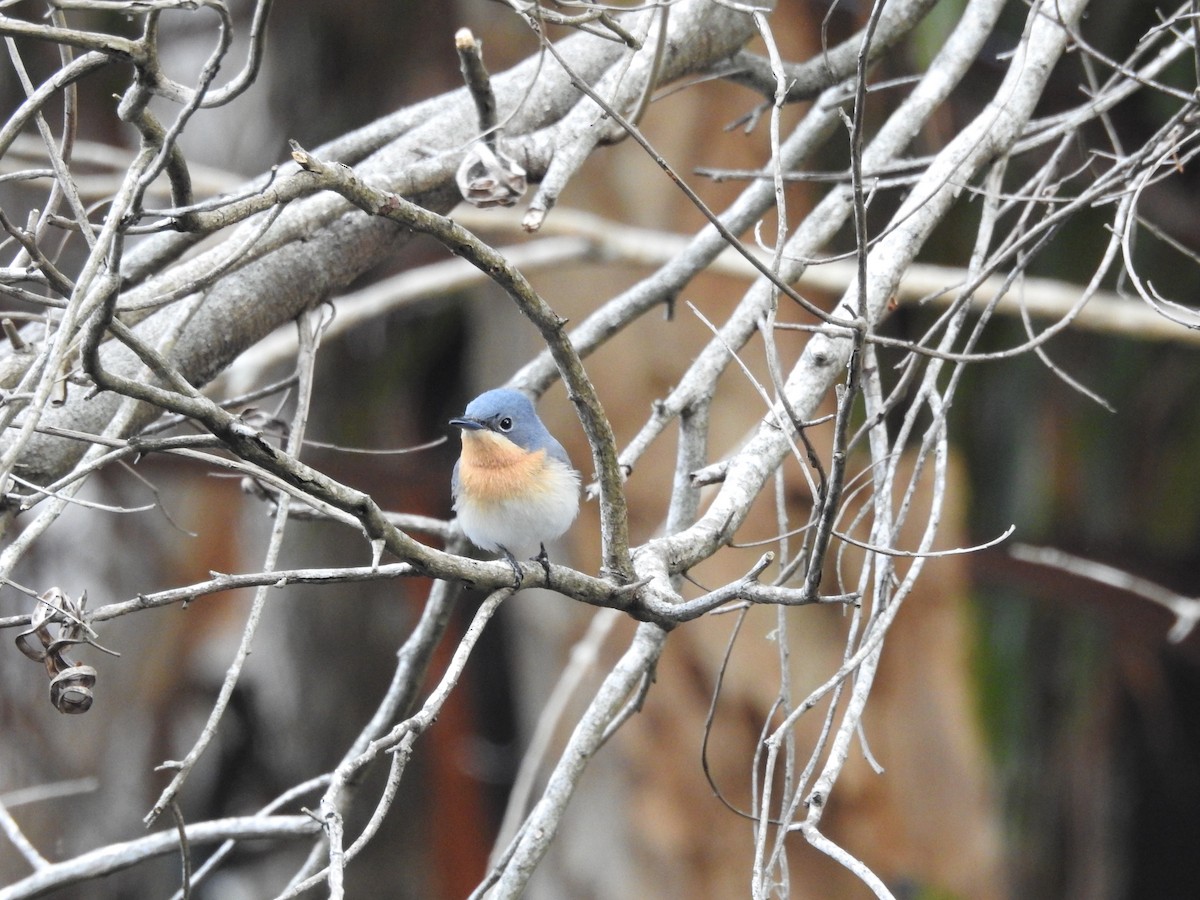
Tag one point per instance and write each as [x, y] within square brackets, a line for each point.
[510, 414]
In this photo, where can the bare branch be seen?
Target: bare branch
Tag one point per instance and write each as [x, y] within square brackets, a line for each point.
[1185, 609]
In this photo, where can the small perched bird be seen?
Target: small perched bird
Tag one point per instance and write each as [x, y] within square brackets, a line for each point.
[513, 486]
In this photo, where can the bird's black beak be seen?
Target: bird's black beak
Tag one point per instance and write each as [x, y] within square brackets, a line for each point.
[468, 424]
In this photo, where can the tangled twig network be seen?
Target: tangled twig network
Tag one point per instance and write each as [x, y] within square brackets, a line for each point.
[133, 293]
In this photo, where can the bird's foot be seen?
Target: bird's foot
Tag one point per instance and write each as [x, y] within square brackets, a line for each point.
[544, 561]
[516, 568]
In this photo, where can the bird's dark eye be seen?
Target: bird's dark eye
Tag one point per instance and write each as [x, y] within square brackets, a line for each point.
[506, 424]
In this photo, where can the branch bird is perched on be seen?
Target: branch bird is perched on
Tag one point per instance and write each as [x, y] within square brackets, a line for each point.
[513, 486]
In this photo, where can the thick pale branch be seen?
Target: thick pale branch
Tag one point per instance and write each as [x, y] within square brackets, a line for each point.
[319, 245]
[825, 357]
[922, 284]
[115, 857]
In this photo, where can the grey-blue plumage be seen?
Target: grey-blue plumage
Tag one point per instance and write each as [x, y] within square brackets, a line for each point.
[513, 486]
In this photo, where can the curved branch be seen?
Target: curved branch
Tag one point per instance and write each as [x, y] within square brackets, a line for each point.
[615, 516]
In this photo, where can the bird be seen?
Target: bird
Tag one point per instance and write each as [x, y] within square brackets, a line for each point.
[513, 485]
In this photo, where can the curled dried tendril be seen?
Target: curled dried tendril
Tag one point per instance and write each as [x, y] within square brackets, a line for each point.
[488, 177]
[70, 682]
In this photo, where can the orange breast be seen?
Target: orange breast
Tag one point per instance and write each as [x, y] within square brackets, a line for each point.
[493, 469]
